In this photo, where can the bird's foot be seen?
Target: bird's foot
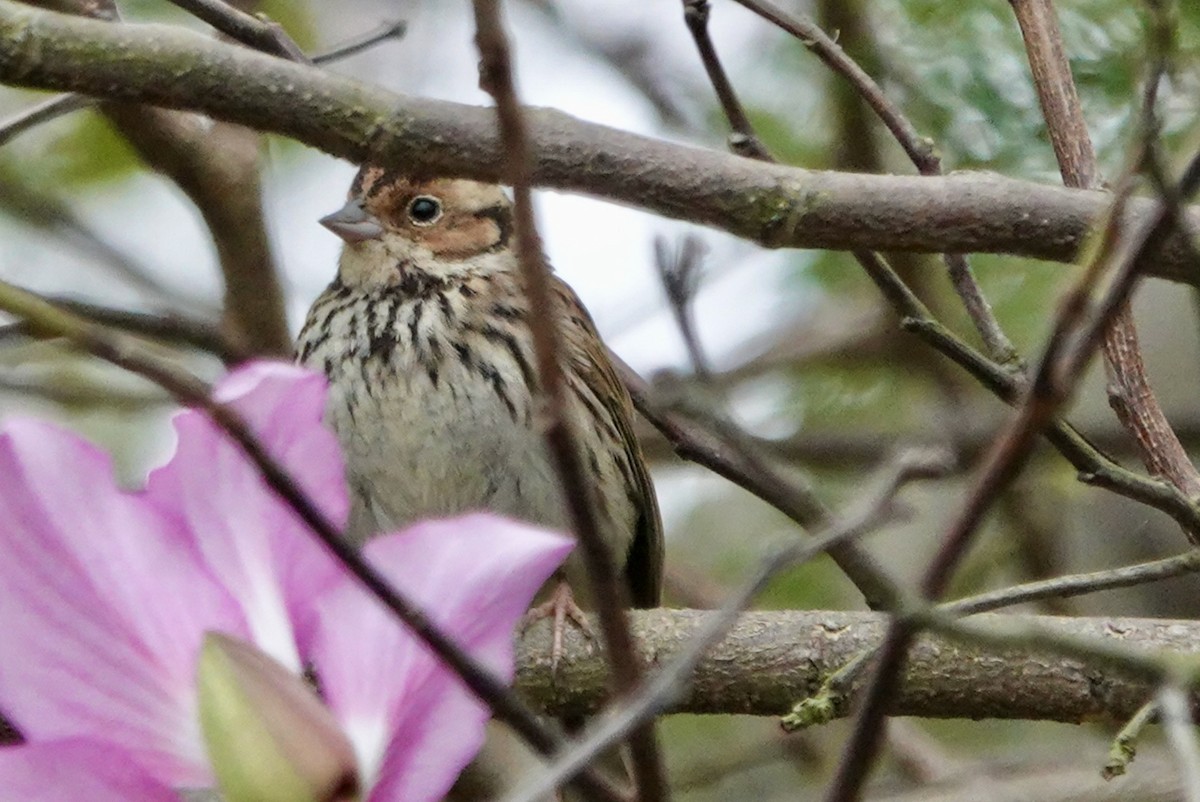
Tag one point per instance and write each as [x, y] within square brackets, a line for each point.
[561, 607]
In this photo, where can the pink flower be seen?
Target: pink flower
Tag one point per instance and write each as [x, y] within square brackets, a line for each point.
[105, 598]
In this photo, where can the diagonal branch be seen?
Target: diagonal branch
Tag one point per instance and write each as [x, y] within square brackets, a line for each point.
[1129, 391]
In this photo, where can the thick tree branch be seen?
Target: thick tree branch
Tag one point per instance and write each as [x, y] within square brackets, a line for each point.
[773, 205]
[771, 659]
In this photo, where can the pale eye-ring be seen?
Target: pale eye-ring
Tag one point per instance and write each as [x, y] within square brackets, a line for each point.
[424, 210]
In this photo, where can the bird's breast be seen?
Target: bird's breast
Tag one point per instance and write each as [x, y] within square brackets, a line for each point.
[434, 410]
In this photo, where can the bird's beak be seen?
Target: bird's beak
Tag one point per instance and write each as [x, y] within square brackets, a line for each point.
[352, 223]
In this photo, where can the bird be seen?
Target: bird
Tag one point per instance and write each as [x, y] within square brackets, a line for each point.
[424, 337]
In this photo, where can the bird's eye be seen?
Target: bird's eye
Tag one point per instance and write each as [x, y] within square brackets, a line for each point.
[424, 210]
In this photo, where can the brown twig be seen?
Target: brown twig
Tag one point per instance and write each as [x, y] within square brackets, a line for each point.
[254, 31]
[1001, 667]
[835, 448]
[496, 78]
[679, 273]
[1034, 511]
[919, 149]
[65, 104]
[919, 756]
[1063, 587]
[708, 769]
[633, 55]
[43, 112]
[1129, 390]
[82, 393]
[47, 320]
[742, 138]
[169, 328]
[364, 41]
[834, 688]
[217, 167]
[1094, 466]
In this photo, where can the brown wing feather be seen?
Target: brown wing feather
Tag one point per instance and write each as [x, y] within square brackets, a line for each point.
[588, 356]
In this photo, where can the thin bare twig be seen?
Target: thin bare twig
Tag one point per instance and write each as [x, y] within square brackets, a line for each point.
[76, 393]
[47, 320]
[742, 138]
[633, 55]
[364, 41]
[834, 447]
[52, 215]
[919, 149]
[740, 462]
[169, 328]
[43, 112]
[679, 273]
[263, 34]
[1061, 587]
[920, 757]
[696, 13]
[496, 78]
[1094, 467]
[249, 29]
[216, 166]
[1129, 390]
[708, 769]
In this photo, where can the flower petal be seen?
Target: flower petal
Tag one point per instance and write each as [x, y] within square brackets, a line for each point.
[103, 608]
[413, 724]
[76, 769]
[264, 553]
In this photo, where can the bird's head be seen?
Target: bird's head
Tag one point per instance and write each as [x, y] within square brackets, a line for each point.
[443, 227]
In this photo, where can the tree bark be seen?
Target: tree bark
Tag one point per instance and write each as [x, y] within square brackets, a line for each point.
[773, 205]
[771, 660]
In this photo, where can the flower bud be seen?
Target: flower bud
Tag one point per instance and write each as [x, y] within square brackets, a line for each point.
[268, 736]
